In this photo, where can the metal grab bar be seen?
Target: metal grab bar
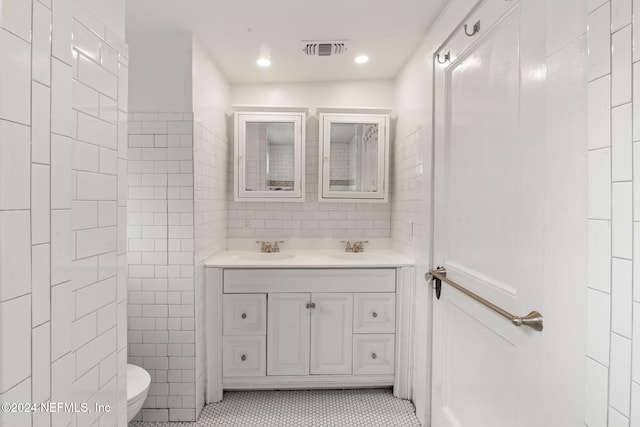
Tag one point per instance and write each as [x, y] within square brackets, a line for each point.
[533, 319]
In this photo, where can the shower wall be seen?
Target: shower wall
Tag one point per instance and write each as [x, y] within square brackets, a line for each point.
[63, 102]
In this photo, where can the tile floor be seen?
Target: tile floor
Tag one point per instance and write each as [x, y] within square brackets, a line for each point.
[317, 408]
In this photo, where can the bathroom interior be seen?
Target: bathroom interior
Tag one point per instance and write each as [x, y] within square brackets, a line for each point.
[184, 225]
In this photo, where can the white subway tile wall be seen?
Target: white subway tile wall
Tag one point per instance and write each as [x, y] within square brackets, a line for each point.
[310, 218]
[211, 185]
[62, 318]
[612, 332]
[410, 223]
[161, 281]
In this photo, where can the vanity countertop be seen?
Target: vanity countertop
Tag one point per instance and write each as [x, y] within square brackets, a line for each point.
[317, 258]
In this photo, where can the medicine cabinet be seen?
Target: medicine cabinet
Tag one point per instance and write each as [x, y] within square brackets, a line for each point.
[269, 154]
[354, 154]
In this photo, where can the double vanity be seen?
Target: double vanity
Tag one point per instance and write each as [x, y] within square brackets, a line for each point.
[300, 318]
[309, 313]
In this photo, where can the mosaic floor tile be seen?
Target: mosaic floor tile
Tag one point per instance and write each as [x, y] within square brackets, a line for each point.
[308, 408]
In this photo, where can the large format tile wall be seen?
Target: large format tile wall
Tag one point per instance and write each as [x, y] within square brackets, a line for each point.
[613, 345]
[161, 262]
[310, 218]
[62, 329]
[27, 162]
[98, 217]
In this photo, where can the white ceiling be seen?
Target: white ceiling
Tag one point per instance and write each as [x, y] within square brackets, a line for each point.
[233, 31]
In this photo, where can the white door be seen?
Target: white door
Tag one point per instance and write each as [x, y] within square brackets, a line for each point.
[331, 333]
[488, 217]
[288, 333]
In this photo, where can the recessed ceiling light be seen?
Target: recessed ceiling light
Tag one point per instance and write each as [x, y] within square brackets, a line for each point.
[263, 62]
[362, 59]
[264, 57]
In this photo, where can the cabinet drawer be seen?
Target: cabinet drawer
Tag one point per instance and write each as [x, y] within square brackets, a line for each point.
[373, 354]
[374, 313]
[244, 314]
[244, 356]
[254, 281]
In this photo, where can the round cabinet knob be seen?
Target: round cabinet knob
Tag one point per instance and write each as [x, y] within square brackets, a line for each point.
[374, 356]
[313, 305]
[243, 357]
[244, 315]
[308, 305]
[374, 314]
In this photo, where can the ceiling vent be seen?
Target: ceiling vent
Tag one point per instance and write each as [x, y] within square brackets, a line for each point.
[324, 48]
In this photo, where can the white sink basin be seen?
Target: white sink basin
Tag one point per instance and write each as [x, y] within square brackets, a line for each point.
[364, 256]
[277, 256]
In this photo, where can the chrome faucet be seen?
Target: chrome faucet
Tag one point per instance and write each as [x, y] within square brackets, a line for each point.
[354, 247]
[358, 246]
[269, 247]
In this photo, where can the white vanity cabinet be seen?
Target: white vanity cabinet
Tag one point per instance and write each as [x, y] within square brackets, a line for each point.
[288, 328]
[307, 328]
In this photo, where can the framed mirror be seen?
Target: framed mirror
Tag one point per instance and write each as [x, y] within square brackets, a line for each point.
[269, 155]
[354, 153]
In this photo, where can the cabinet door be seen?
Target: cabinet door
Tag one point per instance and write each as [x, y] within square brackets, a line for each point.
[288, 334]
[269, 156]
[354, 156]
[331, 331]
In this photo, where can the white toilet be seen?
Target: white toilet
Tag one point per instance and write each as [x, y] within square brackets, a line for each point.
[138, 381]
